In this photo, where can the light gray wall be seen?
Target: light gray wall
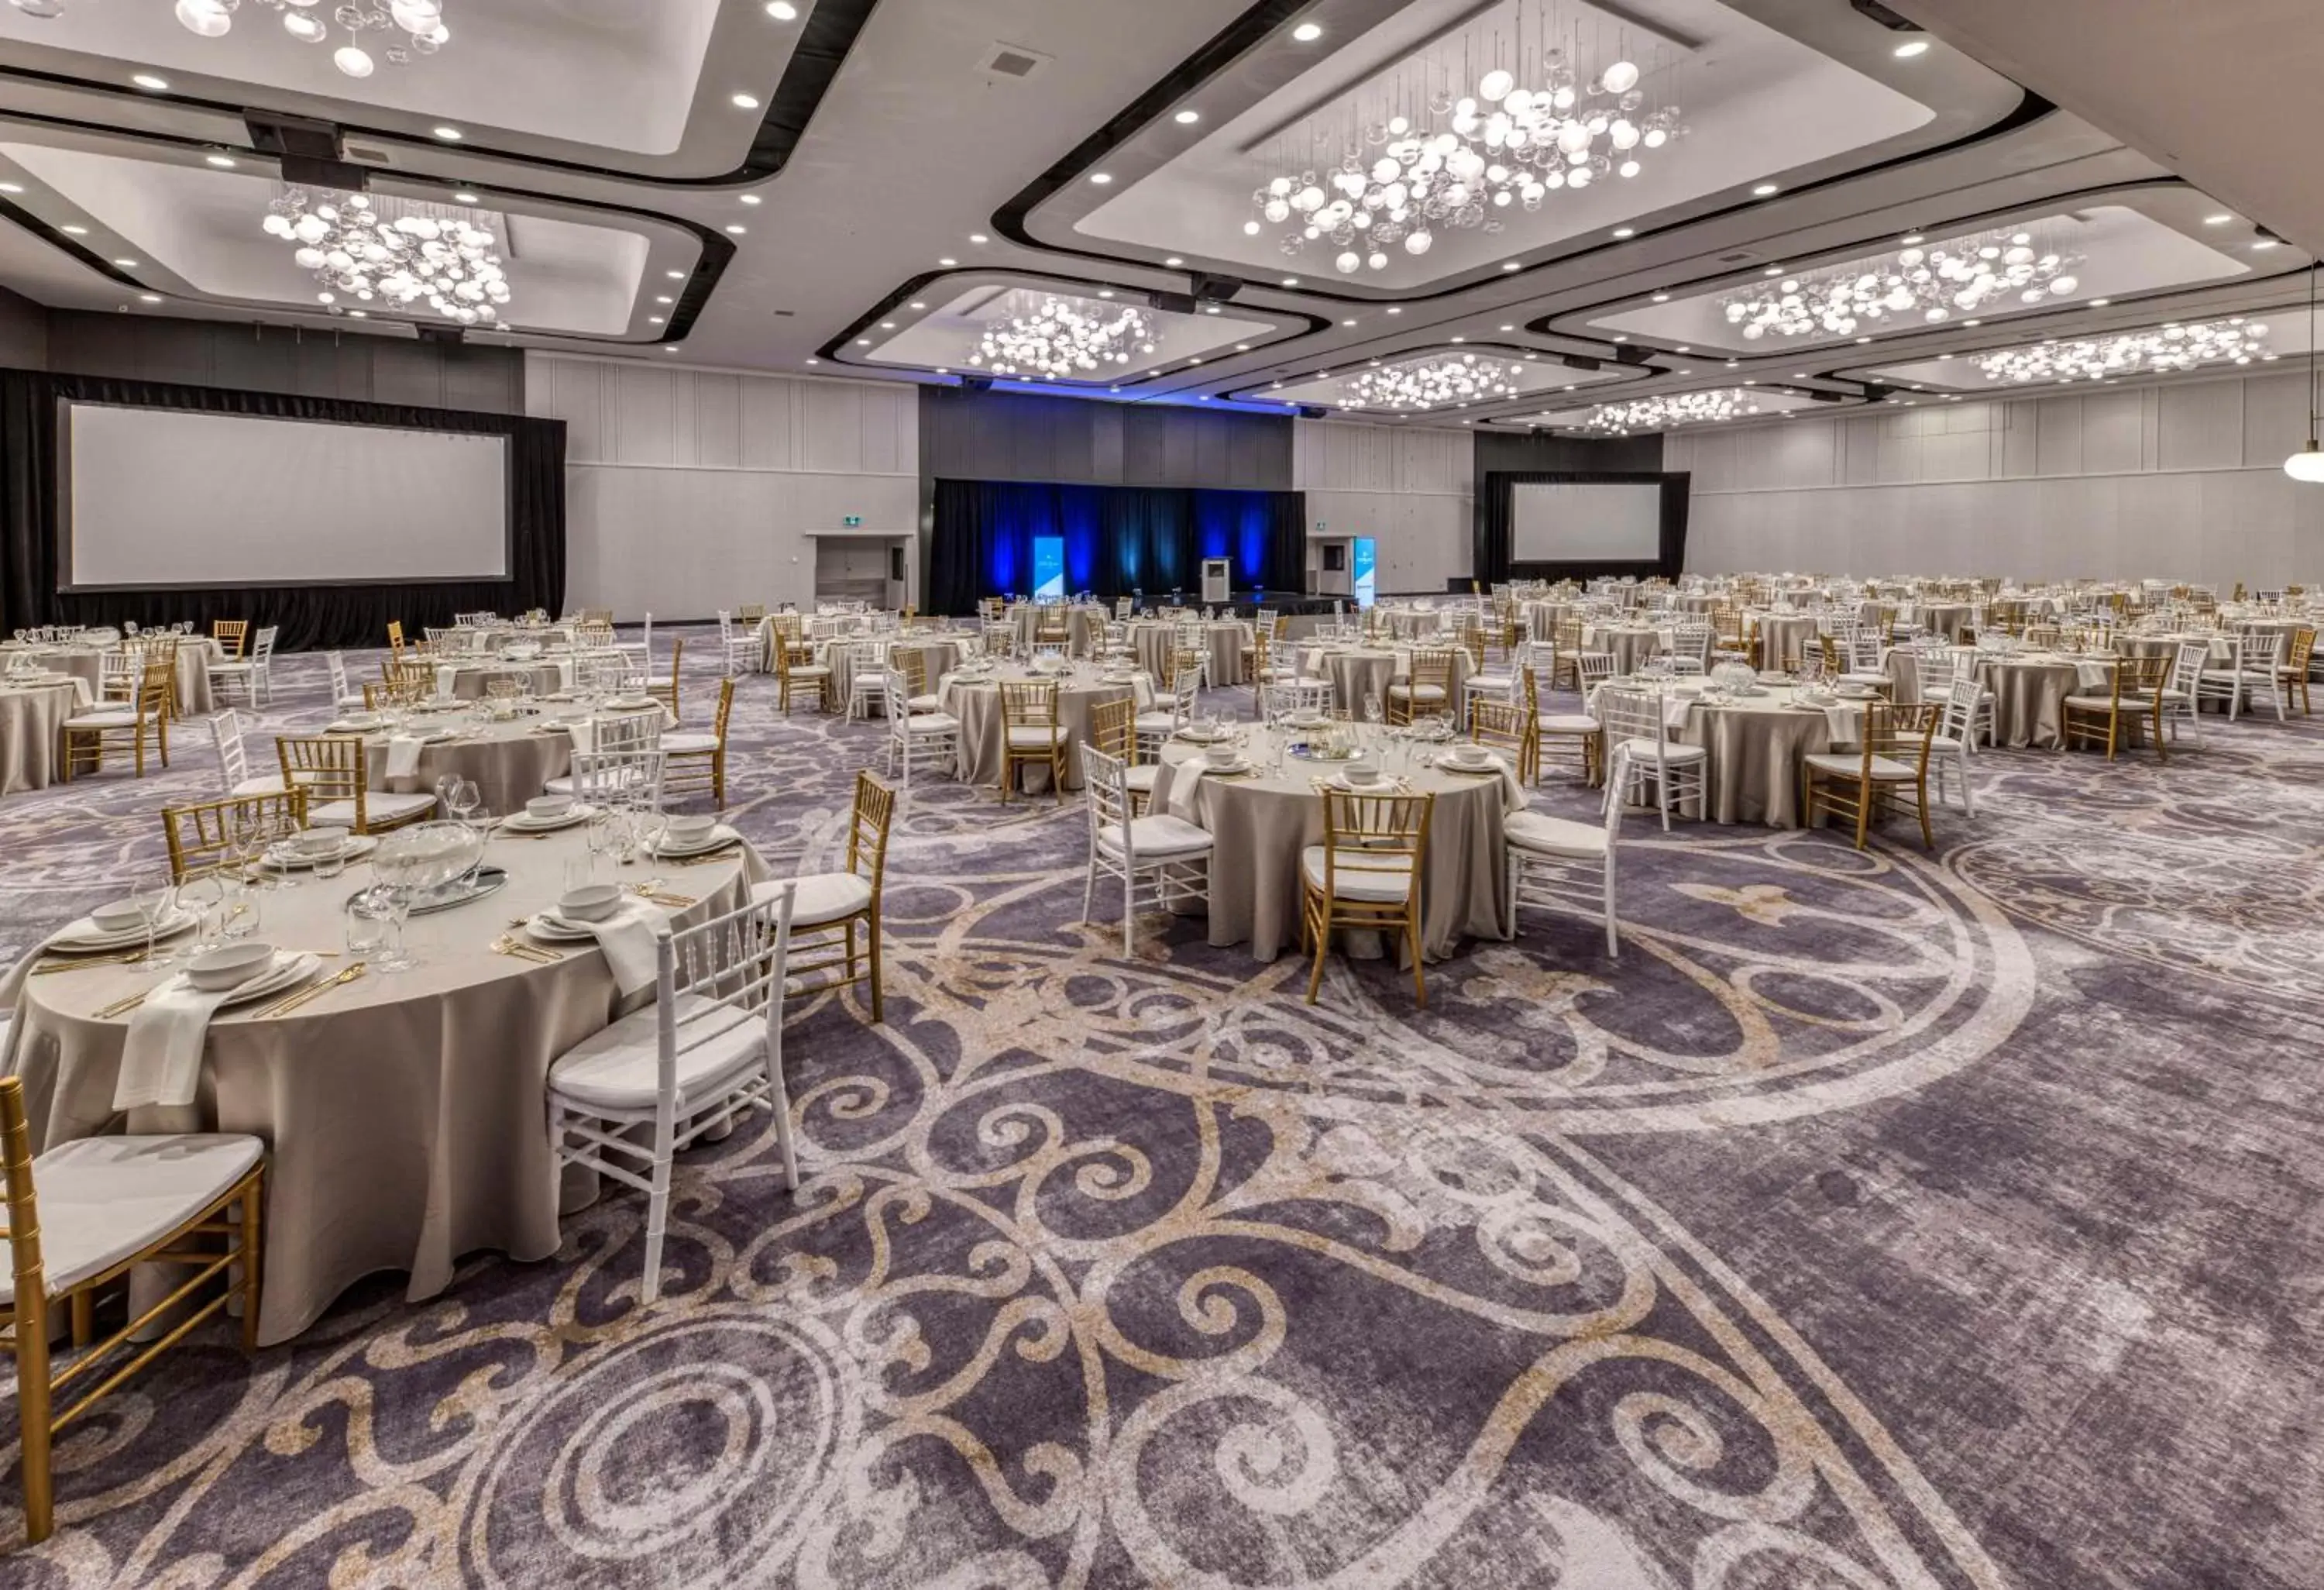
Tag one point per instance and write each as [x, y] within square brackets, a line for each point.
[2179, 481]
[1409, 489]
[348, 365]
[688, 491]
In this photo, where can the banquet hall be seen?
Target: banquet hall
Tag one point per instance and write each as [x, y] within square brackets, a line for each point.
[986, 793]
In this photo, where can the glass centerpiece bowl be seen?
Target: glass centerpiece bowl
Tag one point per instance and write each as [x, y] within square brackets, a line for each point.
[1735, 677]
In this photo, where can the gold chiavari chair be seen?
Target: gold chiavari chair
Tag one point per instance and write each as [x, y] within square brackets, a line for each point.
[333, 772]
[796, 670]
[1888, 772]
[2292, 674]
[132, 725]
[1366, 877]
[664, 688]
[404, 683]
[395, 641]
[112, 1204]
[1114, 730]
[595, 617]
[1052, 628]
[232, 634]
[912, 663]
[1427, 693]
[202, 838]
[1508, 727]
[2136, 694]
[750, 612]
[693, 762]
[1566, 667]
[832, 906]
[1031, 735]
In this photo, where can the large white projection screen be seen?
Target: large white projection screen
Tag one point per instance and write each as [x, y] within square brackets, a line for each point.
[165, 498]
[1593, 524]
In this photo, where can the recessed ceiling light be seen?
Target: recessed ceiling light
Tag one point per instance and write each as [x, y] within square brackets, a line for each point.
[1864, 339]
[1910, 238]
[2264, 243]
[450, 135]
[887, 325]
[1210, 309]
[1394, 309]
[862, 342]
[1291, 282]
[815, 361]
[919, 306]
[1460, 339]
[126, 265]
[11, 186]
[1187, 118]
[1911, 47]
[223, 162]
[740, 231]
[655, 320]
[2099, 303]
[1242, 348]
[746, 102]
[1662, 298]
[1624, 338]
[1765, 189]
[1174, 260]
[360, 314]
[783, 10]
[1773, 270]
[465, 197]
[1106, 293]
[1508, 328]
[979, 238]
[1625, 231]
[947, 263]
[751, 198]
[2217, 220]
[1972, 322]
[1307, 32]
[1514, 265]
[675, 275]
[1683, 349]
[1347, 322]
[671, 347]
[664, 301]
[1101, 178]
[149, 297]
[74, 231]
[148, 81]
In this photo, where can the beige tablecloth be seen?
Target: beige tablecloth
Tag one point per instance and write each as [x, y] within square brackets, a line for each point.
[1223, 638]
[1757, 747]
[2029, 697]
[30, 719]
[1948, 619]
[1631, 645]
[1260, 825]
[977, 705]
[1360, 672]
[509, 763]
[404, 1115]
[1784, 636]
[467, 681]
[1083, 626]
[194, 698]
[938, 657]
[1542, 618]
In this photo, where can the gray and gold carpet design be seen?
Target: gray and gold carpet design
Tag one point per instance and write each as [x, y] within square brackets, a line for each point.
[1895, 1219]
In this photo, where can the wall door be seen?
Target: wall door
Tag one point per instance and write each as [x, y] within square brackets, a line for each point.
[850, 570]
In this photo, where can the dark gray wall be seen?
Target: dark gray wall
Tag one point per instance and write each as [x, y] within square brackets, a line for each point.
[1607, 455]
[23, 332]
[275, 359]
[1002, 435]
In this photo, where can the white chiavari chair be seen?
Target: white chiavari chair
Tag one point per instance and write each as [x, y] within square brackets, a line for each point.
[235, 777]
[918, 739]
[2181, 694]
[1641, 756]
[739, 653]
[1549, 855]
[1159, 860]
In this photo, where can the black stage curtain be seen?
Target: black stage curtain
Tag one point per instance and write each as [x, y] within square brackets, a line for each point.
[310, 616]
[1495, 508]
[1116, 539]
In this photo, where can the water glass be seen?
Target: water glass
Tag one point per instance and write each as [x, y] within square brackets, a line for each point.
[238, 915]
[370, 927]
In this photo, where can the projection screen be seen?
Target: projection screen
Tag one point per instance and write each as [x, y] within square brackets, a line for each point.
[1592, 524]
[167, 497]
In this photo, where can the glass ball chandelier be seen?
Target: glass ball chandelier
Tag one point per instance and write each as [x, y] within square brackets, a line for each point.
[357, 253]
[1063, 338]
[1446, 147]
[2307, 465]
[1431, 383]
[1649, 414]
[1931, 284]
[405, 28]
[2160, 351]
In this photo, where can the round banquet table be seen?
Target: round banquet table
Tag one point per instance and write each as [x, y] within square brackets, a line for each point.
[976, 703]
[939, 658]
[404, 1115]
[31, 715]
[1359, 672]
[1224, 640]
[1407, 623]
[1948, 619]
[2029, 697]
[194, 698]
[1757, 744]
[1259, 823]
[1784, 636]
[1631, 645]
[509, 763]
[1084, 625]
[467, 681]
[1698, 600]
[1542, 618]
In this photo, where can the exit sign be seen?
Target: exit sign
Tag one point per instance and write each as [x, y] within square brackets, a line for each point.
[853, 521]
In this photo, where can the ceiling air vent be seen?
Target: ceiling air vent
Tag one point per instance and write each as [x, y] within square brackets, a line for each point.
[1886, 17]
[1741, 256]
[1012, 61]
[370, 154]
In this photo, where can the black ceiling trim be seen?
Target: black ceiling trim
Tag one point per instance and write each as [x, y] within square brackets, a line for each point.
[825, 37]
[80, 252]
[1252, 27]
[836, 348]
[1448, 349]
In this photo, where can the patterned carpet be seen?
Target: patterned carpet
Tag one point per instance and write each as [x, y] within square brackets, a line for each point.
[1876, 1220]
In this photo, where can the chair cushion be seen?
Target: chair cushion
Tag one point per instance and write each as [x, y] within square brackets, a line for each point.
[2106, 703]
[1155, 723]
[717, 1046]
[1035, 737]
[925, 704]
[799, 671]
[1155, 837]
[1844, 765]
[685, 745]
[1877, 680]
[101, 1200]
[1555, 835]
[262, 786]
[379, 807]
[102, 720]
[915, 722]
[1568, 723]
[1140, 778]
[822, 897]
[1363, 876]
[1673, 755]
[1417, 692]
[1491, 681]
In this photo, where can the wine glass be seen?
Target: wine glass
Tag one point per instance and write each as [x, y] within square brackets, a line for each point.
[152, 905]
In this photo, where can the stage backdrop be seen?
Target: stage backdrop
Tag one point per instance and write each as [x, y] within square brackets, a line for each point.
[1496, 514]
[1117, 539]
[310, 616]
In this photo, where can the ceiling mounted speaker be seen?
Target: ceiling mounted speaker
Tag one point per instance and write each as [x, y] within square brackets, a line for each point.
[1628, 353]
[1213, 289]
[1312, 412]
[444, 335]
[976, 383]
[1173, 303]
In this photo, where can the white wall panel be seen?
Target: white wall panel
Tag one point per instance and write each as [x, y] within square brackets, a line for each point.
[2179, 481]
[1412, 491]
[688, 491]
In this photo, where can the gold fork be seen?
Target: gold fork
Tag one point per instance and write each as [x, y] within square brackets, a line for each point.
[122, 1007]
[133, 957]
[313, 991]
[519, 949]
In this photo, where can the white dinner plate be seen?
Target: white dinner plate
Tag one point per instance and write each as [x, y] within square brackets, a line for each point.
[551, 929]
[84, 937]
[287, 970]
[284, 859]
[718, 839]
[354, 726]
[1229, 770]
[1490, 765]
[525, 823]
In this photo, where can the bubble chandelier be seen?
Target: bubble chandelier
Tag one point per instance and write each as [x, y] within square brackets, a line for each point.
[1432, 384]
[2167, 349]
[1063, 338]
[405, 27]
[356, 252]
[1650, 414]
[1960, 275]
[1443, 146]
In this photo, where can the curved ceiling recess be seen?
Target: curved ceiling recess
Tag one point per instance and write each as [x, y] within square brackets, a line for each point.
[681, 92]
[1034, 332]
[1627, 119]
[1443, 381]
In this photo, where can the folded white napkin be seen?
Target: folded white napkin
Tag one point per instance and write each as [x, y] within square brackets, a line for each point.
[448, 678]
[162, 1056]
[403, 754]
[627, 937]
[1186, 786]
[565, 673]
